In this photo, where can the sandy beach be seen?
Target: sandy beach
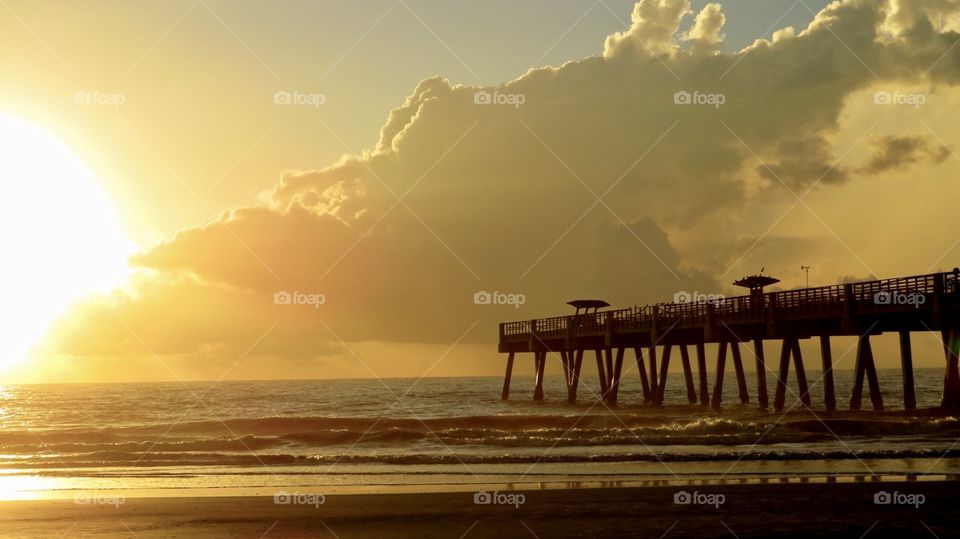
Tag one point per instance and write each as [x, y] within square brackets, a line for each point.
[755, 510]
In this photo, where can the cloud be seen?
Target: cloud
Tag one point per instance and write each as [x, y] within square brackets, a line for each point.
[706, 34]
[597, 185]
[654, 23]
[897, 153]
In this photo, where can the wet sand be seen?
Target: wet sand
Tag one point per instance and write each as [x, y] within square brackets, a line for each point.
[755, 510]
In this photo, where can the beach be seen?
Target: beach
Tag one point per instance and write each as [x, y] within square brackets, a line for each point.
[747, 510]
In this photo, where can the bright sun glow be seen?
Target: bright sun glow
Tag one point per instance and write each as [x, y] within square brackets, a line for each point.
[60, 237]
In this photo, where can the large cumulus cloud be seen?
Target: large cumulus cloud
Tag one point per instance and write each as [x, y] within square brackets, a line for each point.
[583, 190]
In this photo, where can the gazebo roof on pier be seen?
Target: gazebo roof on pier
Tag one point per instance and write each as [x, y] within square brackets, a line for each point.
[588, 303]
[754, 282]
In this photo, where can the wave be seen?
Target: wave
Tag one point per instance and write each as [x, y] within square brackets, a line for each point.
[119, 458]
[269, 431]
[318, 440]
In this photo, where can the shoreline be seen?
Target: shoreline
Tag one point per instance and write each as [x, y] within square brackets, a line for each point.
[572, 483]
[842, 509]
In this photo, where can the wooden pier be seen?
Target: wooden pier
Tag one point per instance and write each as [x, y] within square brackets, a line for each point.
[902, 305]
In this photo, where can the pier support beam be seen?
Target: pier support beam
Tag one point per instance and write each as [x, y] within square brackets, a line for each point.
[615, 367]
[601, 372]
[761, 373]
[567, 362]
[572, 362]
[865, 366]
[801, 373]
[664, 368]
[951, 381]
[791, 347]
[642, 369]
[781, 395]
[688, 374]
[608, 354]
[741, 376]
[906, 367]
[702, 374]
[826, 357]
[721, 364]
[652, 352]
[539, 361]
[505, 394]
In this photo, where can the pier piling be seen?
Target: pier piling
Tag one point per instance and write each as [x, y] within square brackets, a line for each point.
[721, 364]
[761, 373]
[906, 370]
[865, 367]
[616, 368]
[601, 373]
[664, 368]
[702, 374]
[654, 387]
[801, 373]
[688, 374]
[784, 373]
[540, 362]
[505, 394]
[741, 376]
[826, 357]
[951, 380]
[642, 369]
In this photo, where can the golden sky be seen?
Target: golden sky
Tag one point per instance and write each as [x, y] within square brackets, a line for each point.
[383, 180]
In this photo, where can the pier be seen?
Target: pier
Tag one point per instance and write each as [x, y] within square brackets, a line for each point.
[653, 333]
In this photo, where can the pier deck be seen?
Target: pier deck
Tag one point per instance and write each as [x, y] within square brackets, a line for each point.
[862, 309]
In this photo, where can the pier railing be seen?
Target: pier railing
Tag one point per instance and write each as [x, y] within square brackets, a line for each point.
[903, 294]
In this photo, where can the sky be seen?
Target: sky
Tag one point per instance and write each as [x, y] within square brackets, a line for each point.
[339, 151]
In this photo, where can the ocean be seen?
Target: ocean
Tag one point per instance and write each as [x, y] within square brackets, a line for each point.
[449, 433]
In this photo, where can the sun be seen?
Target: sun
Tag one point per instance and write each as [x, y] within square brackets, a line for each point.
[59, 236]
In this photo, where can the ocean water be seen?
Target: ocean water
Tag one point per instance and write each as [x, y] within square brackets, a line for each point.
[449, 433]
